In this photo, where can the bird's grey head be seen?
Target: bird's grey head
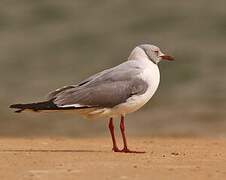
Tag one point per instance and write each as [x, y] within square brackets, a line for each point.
[148, 51]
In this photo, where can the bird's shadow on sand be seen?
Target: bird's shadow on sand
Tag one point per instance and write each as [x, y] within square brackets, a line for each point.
[51, 150]
[61, 151]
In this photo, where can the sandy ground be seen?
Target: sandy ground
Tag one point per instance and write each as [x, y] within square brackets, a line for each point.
[165, 158]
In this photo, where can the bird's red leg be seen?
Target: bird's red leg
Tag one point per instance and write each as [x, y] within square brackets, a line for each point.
[122, 128]
[111, 128]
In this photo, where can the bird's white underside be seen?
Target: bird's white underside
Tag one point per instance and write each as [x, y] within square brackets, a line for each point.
[150, 74]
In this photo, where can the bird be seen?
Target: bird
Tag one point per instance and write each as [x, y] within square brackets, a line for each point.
[111, 93]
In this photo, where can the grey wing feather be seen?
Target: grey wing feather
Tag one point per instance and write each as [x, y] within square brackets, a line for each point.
[105, 89]
[103, 95]
[53, 94]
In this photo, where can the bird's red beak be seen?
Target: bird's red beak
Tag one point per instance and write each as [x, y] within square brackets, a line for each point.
[167, 57]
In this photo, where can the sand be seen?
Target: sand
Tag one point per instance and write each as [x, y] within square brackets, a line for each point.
[68, 158]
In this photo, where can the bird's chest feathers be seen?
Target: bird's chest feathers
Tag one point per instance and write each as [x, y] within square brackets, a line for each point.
[151, 75]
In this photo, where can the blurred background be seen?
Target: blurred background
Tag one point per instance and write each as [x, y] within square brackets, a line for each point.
[47, 44]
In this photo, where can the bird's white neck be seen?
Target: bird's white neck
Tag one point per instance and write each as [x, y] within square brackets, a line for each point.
[138, 54]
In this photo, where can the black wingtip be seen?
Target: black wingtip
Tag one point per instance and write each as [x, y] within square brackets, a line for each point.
[16, 106]
[45, 105]
[11, 106]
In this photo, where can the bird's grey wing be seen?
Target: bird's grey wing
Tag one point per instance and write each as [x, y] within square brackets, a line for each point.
[107, 94]
[123, 72]
[92, 78]
[120, 72]
[53, 94]
[105, 89]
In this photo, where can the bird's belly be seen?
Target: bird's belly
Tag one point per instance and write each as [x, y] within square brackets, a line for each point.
[132, 104]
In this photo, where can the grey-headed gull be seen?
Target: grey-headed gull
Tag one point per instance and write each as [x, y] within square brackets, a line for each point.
[111, 93]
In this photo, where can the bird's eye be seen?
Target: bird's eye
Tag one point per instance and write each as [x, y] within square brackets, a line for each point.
[156, 52]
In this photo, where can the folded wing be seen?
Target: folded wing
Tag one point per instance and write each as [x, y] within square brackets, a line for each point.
[105, 89]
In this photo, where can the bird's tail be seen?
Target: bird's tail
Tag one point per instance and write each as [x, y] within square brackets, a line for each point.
[45, 105]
